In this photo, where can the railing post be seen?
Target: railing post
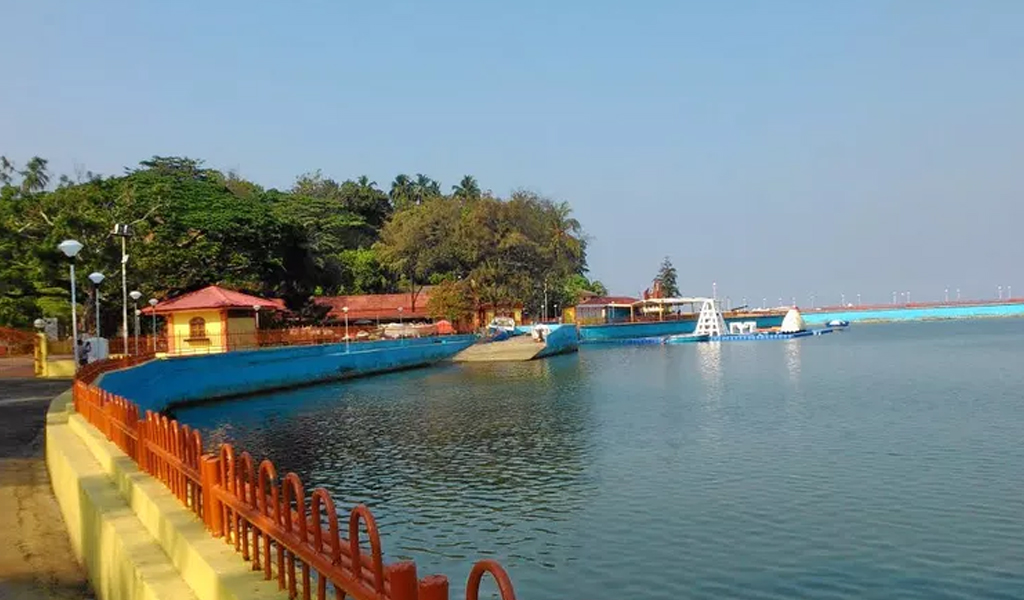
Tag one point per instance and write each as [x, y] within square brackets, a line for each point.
[141, 454]
[209, 473]
[404, 584]
[434, 587]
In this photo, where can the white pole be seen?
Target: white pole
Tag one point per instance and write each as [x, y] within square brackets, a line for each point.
[135, 306]
[124, 292]
[346, 329]
[74, 315]
[97, 310]
[947, 295]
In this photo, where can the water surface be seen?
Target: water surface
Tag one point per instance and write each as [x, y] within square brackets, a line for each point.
[882, 462]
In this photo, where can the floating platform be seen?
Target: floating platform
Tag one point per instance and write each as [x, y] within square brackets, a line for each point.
[766, 335]
[560, 340]
[686, 339]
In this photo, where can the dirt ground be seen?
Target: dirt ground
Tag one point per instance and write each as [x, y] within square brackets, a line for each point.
[36, 561]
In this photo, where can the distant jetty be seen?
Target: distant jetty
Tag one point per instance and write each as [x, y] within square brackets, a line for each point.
[918, 311]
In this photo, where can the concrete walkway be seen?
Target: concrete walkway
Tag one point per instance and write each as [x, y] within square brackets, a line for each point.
[36, 560]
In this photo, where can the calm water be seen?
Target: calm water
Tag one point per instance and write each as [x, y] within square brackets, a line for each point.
[883, 462]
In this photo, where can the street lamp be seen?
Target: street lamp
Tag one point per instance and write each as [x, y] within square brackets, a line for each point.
[344, 309]
[71, 248]
[256, 310]
[124, 232]
[97, 278]
[135, 294]
[152, 304]
[558, 317]
[401, 326]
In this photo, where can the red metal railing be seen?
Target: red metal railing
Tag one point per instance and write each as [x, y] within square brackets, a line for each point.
[290, 537]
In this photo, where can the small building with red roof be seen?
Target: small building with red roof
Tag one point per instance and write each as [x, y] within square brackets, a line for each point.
[213, 319]
[378, 308]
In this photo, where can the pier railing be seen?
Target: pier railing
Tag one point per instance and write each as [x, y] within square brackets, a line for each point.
[299, 540]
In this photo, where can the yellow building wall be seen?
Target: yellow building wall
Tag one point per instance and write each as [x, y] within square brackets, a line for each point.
[182, 343]
[569, 315]
[242, 333]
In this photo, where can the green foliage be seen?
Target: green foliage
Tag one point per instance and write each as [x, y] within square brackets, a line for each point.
[193, 226]
[450, 300]
[507, 250]
[667, 278]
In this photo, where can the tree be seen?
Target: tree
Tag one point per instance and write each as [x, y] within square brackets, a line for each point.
[450, 300]
[667, 278]
[467, 190]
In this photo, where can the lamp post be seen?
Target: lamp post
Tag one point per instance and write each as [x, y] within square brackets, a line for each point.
[136, 294]
[401, 326]
[558, 316]
[71, 248]
[858, 299]
[957, 294]
[946, 296]
[97, 278]
[1000, 288]
[152, 304]
[256, 311]
[124, 232]
[344, 309]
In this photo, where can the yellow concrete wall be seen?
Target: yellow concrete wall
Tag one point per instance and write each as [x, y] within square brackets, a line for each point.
[135, 539]
[214, 333]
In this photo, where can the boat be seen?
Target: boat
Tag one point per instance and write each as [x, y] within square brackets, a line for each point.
[686, 338]
[837, 323]
[502, 325]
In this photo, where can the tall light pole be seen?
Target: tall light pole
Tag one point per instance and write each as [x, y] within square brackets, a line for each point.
[946, 296]
[894, 298]
[71, 248]
[858, 299]
[401, 327]
[152, 305]
[256, 311]
[136, 294]
[1000, 288]
[908, 297]
[124, 232]
[842, 299]
[714, 290]
[344, 309]
[97, 278]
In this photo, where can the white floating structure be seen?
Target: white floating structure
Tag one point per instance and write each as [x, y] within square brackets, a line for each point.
[710, 322]
[793, 322]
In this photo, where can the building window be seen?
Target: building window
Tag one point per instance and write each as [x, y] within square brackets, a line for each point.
[197, 328]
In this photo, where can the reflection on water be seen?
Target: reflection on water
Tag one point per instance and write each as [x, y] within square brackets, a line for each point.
[792, 349]
[881, 463]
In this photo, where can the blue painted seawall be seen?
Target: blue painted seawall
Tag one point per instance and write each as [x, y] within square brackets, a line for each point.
[562, 339]
[619, 331]
[915, 314]
[164, 383]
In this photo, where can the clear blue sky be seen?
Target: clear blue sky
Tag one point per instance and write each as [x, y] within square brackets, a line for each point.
[777, 147]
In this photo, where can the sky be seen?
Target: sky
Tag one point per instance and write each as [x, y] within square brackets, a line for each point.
[780, 149]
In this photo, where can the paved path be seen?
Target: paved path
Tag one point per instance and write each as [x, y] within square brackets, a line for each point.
[36, 560]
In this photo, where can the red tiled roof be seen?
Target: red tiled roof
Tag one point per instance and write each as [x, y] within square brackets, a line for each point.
[606, 300]
[214, 297]
[377, 306]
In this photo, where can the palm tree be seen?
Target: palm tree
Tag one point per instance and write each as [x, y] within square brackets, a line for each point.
[401, 191]
[35, 177]
[468, 189]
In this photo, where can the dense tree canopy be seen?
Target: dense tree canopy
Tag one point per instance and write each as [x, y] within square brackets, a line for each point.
[193, 226]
